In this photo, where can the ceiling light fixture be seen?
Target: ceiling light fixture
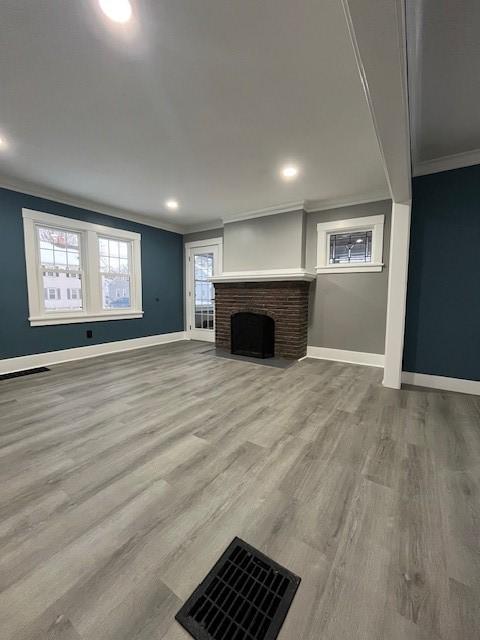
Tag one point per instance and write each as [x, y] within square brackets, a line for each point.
[3, 143]
[289, 172]
[116, 10]
[172, 205]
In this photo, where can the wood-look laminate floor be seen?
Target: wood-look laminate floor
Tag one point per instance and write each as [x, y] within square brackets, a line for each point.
[123, 478]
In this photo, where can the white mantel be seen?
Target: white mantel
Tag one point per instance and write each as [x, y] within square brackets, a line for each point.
[265, 275]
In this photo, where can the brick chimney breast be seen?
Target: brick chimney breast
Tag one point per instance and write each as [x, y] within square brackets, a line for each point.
[284, 301]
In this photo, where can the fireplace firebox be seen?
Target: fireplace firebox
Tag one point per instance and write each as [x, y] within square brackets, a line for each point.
[252, 334]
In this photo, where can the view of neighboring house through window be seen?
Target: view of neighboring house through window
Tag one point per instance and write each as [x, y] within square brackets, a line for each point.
[115, 273]
[61, 268]
[73, 294]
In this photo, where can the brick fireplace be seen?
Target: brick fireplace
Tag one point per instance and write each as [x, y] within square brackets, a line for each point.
[286, 302]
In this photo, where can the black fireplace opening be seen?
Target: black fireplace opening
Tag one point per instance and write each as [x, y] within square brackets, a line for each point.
[252, 334]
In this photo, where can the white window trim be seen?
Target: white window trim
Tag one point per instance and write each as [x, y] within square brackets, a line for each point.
[93, 311]
[374, 224]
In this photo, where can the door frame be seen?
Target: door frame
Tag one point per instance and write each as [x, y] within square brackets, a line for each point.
[208, 336]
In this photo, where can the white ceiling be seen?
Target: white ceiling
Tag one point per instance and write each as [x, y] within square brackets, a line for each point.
[444, 79]
[200, 101]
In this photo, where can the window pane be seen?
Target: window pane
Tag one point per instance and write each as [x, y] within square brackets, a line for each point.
[116, 292]
[103, 246]
[73, 259]
[72, 240]
[114, 256]
[58, 247]
[60, 258]
[58, 291]
[114, 265]
[113, 248]
[46, 256]
[351, 247]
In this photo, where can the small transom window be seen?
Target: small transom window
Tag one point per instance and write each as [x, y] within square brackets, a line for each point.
[355, 247]
[347, 246]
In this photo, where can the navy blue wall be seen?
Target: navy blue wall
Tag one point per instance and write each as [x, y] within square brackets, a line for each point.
[162, 275]
[443, 300]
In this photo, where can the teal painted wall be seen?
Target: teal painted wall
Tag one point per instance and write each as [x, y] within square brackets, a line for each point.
[162, 287]
[442, 333]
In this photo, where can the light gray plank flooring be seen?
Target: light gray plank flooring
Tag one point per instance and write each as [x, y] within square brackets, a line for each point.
[123, 478]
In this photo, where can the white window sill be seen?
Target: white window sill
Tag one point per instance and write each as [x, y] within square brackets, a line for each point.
[349, 268]
[69, 318]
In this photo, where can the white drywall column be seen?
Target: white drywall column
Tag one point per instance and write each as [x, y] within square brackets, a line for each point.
[397, 294]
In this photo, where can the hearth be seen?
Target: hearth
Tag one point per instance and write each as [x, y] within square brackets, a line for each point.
[252, 334]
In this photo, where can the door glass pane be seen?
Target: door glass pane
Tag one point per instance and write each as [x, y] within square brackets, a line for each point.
[203, 291]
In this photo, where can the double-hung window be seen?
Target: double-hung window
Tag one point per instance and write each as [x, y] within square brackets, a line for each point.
[80, 272]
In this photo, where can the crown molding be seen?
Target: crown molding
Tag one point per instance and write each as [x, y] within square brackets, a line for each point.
[415, 18]
[203, 226]
[311, 206]
[83, 203]
[446, 163]
[269, 211]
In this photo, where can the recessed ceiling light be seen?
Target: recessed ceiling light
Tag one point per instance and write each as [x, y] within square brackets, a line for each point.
[117, 10]
[172, 205]
[3, 143]
[289, 172]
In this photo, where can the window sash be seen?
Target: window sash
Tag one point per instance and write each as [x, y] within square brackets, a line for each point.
[116, 274]
[81, 297]
[56, 270]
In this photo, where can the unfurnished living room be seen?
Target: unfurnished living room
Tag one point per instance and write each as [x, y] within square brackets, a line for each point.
[240, 320]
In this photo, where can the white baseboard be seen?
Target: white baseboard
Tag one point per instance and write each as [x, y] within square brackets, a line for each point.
[21, 363]
[440, 382]
[193, 335]
[352, 357]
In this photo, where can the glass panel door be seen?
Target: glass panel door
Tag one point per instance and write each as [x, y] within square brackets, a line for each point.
[202, 264]
[204, 298]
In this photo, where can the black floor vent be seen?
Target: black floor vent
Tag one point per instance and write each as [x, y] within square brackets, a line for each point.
[246, 596]
[25, 372]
